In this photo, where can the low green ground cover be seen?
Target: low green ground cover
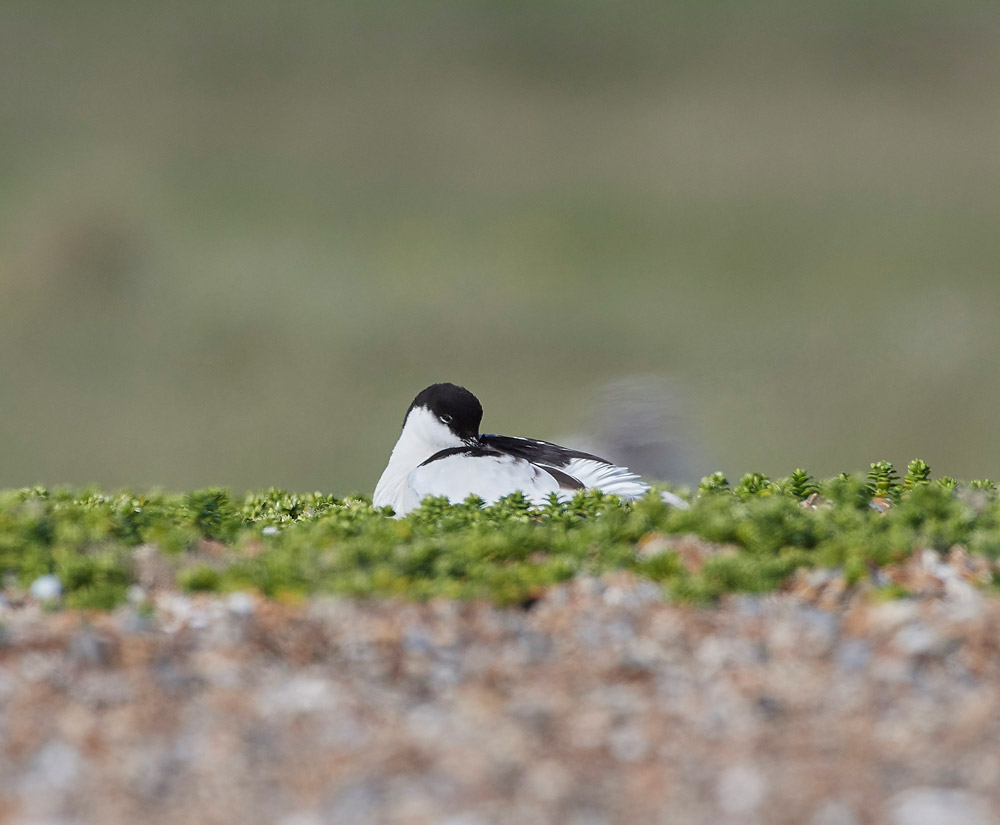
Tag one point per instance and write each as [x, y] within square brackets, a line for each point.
[289, 545]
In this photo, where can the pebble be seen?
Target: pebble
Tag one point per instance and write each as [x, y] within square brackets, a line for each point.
[964, 601]
[136, 621]
[820, 626]
[46, 588]
[466, 819]
[298, 695]
[628, 744]
[891, 615]
[56, 767]
[938, 806]
[240, 604]
[822, 576]
[741, 789]
[654, 544]
[853, 654]
[301, 818]
[359, 802]
[136, 595]
[918, 639]
[593, 708]
[749, 604]
[590, 585]
[90, 647]
[833, 812]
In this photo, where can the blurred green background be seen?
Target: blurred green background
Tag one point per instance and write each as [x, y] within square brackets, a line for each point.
[237, 238]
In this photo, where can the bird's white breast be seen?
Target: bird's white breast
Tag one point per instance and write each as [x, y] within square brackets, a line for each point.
[423, 435]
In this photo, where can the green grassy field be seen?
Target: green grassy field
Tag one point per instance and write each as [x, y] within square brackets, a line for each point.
[236, 239]
[750, 537]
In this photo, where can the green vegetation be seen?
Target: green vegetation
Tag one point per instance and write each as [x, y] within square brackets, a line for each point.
[287, 545]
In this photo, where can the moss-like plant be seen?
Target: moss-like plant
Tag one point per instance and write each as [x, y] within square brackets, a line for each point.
[883, 480]
[754, 484]
[292, 545]
[917, 472]
[714, 483]
[799, 485]
[200, 579]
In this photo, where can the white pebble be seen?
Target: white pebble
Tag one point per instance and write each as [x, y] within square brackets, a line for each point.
[46, 588]
[240, 603]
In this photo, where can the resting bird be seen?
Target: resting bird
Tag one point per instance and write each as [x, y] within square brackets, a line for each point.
[441, 452]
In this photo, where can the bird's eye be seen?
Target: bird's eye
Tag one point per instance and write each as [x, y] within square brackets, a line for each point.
[445, 418]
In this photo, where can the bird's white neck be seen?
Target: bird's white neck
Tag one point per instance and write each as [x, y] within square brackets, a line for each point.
[423, 435]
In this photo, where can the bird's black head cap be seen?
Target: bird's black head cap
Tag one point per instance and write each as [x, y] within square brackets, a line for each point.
[455, 406]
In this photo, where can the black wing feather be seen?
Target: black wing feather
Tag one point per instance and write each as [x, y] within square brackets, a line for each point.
[537, 452]
[566, 481]
[470, 451]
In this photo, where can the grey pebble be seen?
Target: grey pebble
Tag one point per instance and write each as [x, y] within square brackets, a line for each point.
[938, 806]
[917, 639]
[854, 654]
[89, 647]
[833, 812]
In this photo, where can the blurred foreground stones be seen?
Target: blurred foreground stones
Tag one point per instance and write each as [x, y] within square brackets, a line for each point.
[602, 703]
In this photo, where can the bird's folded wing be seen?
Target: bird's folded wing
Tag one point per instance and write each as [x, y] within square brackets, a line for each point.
[589, 470]
[490, 476]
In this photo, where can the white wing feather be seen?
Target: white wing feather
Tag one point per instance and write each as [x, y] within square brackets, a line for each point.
[608, 478]
[490, 477]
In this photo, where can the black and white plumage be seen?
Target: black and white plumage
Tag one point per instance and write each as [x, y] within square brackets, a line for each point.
[441, 452]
